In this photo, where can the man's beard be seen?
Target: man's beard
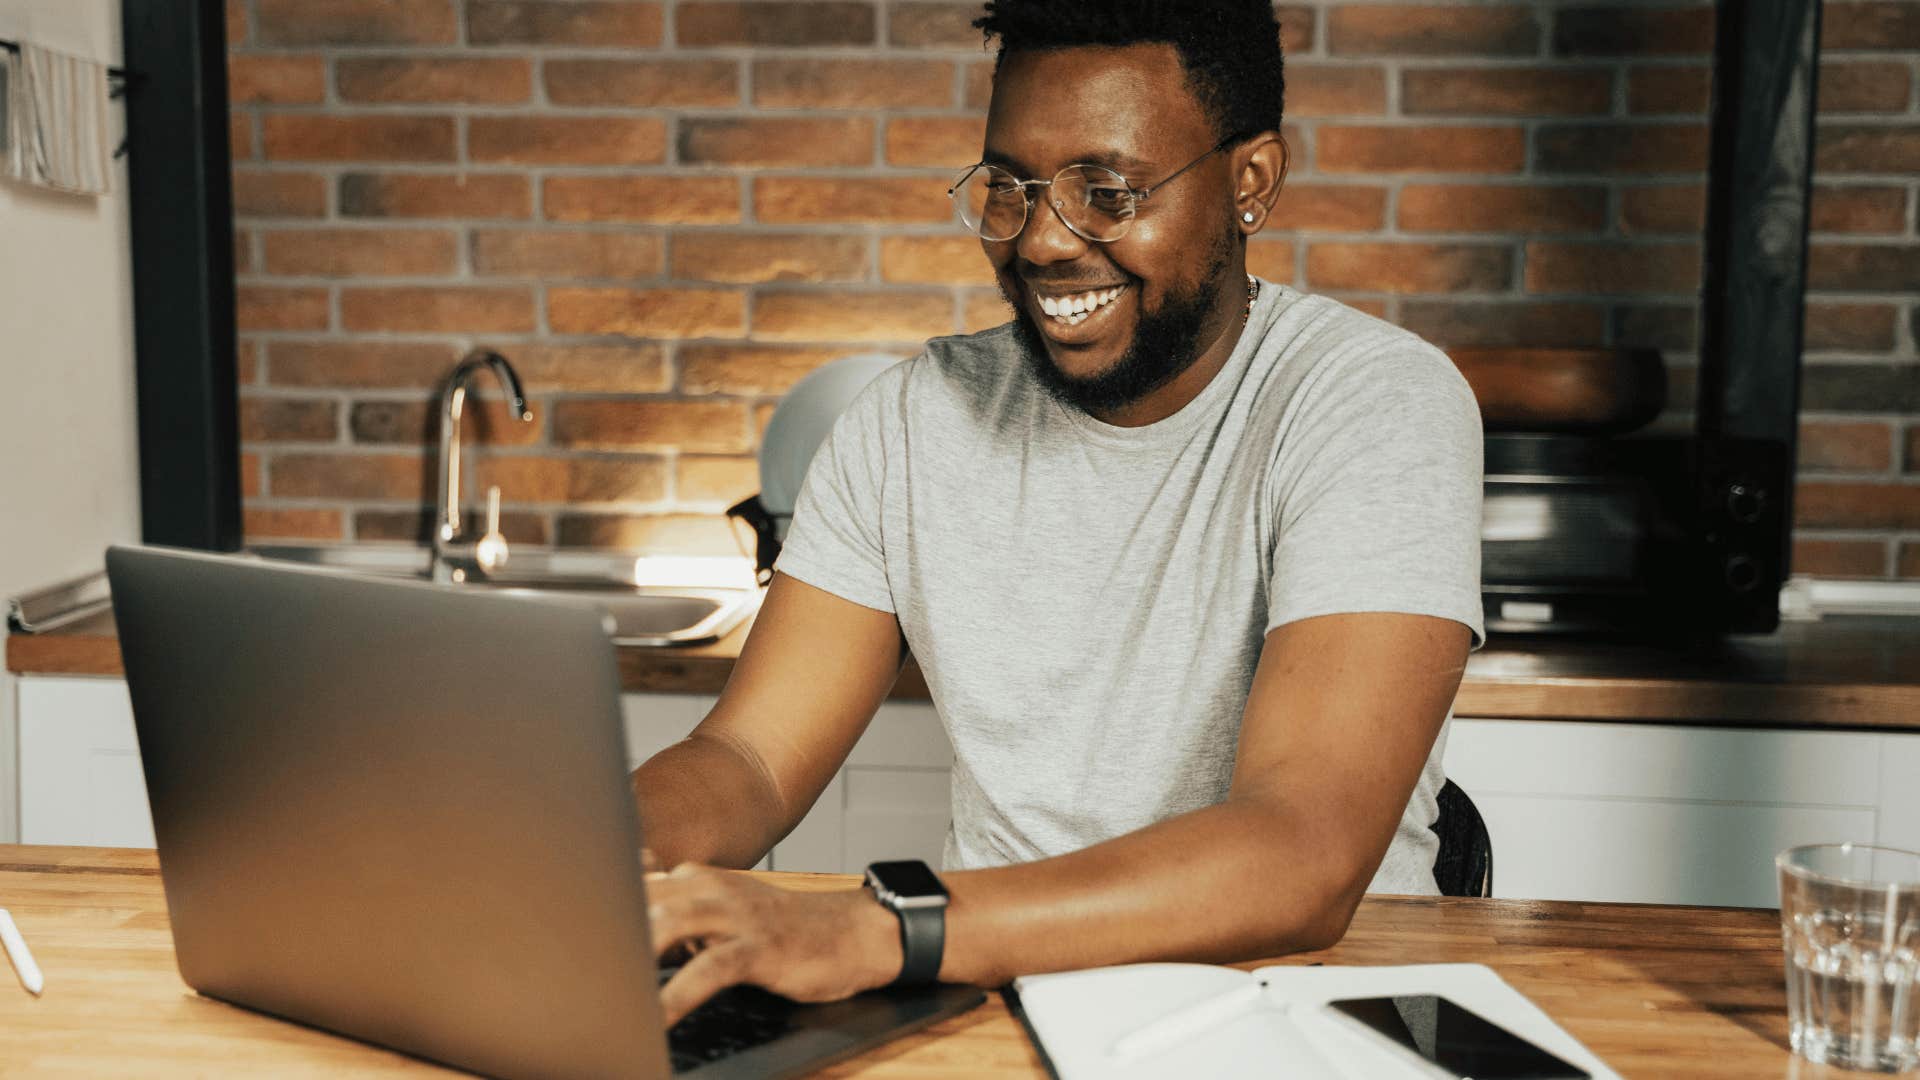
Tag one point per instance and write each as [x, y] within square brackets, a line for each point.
[1165, 343]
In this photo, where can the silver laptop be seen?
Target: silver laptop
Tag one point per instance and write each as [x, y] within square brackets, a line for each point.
[401, 812]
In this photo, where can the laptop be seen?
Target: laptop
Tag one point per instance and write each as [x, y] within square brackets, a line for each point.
[401, 812]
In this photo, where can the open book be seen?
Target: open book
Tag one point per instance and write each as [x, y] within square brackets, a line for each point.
[1269, 1022]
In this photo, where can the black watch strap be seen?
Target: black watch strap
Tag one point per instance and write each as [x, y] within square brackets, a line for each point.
[923, 938]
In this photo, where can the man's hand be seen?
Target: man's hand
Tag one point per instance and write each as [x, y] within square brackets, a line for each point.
[809, 946]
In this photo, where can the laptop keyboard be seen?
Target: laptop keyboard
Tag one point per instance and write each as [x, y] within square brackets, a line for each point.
[738, 1018]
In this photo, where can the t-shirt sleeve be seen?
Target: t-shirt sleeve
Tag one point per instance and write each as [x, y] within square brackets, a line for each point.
[835, 541]
[1376, 500]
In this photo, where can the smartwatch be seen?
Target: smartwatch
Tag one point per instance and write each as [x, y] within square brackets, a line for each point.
[911, 891]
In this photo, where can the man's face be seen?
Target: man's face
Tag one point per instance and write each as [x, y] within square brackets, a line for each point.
[1131, 110]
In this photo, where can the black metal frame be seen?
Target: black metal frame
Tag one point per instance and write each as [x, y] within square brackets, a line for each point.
[181, 207]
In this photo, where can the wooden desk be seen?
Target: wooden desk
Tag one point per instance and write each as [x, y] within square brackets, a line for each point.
[1655, 991]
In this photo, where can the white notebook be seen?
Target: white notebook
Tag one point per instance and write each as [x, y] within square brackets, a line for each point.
[1283, 1029]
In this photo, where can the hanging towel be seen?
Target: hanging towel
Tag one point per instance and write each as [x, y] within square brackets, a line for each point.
[57, 122]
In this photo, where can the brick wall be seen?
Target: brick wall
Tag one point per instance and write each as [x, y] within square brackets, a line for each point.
[667, 212]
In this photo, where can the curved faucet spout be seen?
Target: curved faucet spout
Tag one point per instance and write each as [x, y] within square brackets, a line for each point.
[453, 401]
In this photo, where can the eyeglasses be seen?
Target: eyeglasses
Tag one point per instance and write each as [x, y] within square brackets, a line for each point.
[1094, 201]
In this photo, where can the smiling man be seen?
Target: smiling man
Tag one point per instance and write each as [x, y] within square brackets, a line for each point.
[1189, 560]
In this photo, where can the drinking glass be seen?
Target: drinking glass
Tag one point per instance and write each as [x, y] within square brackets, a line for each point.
[1850, 924]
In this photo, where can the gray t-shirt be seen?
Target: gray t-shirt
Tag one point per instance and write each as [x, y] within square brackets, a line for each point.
[1088, 602]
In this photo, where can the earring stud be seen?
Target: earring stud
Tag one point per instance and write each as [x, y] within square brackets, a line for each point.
[1247, 217]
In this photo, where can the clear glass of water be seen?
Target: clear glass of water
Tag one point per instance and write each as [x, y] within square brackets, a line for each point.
[1850, 923]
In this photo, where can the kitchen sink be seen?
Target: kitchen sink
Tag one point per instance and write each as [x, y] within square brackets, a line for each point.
[650, 600]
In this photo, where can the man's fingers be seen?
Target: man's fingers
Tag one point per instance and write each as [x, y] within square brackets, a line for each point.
[649, 862]
[702, 977]
[681, 916]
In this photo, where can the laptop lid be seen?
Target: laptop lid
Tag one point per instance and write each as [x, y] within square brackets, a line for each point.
[394, 810]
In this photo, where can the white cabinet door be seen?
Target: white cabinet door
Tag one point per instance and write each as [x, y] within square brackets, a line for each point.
[889, 802]
[80, 779]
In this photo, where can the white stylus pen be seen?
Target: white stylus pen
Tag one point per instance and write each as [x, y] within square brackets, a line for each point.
[23, 964]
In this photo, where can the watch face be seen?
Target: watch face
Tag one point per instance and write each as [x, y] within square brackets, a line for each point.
[907, 879]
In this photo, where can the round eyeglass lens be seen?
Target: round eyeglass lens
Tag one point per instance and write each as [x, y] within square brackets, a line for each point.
[1094, 201]
[992, 202]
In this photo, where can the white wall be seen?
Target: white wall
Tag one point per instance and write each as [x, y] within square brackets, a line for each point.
[69, 481]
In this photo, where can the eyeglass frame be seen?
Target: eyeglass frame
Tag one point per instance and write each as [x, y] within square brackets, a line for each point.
[1136, 195]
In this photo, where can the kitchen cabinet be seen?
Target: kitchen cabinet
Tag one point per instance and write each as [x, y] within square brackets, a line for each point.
[1636, 812]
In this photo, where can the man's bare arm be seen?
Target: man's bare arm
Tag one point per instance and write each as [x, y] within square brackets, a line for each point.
[812, 672]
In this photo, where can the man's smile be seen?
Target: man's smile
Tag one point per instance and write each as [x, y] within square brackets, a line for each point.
[1075, 316]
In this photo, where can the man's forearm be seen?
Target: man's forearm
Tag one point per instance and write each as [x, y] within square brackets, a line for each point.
[1230, 882]
[704, 800]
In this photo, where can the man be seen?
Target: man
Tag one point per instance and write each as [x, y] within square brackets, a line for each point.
[1190, 563]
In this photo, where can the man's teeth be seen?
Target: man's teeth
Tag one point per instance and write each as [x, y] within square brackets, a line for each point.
[1075, 309]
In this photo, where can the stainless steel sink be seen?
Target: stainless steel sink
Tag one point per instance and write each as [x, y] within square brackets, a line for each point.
[642, 609]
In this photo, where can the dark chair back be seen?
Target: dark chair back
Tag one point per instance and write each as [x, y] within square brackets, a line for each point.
[1464, 866]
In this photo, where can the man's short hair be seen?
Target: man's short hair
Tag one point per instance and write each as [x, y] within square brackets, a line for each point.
[1229, 49]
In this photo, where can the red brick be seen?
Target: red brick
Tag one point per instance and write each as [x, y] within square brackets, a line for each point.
[1845, 446]
[663, 534]
[276, 80]
[1455, 148]
[1864, 86]
[1839, 558]
[781, 23]
[1336, 89]
[934, 260]
[753, 258]
[444, 310]
[1669, 89]
[851, 316]
[1271, 259]
[303, 137]
[938, 26]
[1331, 207]
[1663, 208]
[1671, 327]
[601, 23]
[281, 419]
[242, 251]
[1909, 560]
[1612, 268]
[748, 370]
[1885, 149]
[416, 525]
[1879, 25]
[804, 83]
[411, 195]
[626, 368]
[356, 22]
[1864, 267]
[563, 140]
[236, 22]
[468, 81]
[789, 200]
[1622, 148]
[1296, 27]
[240, 142]
[665, 200]
[776, 141]
[718, 480]
[643, 83]
[250, 476]
[561, 254]
[487, 422]
[527, 480]
[1526, 323]
[272, 307]
[292, 523]
[360, 252]
[1632, 31]
[1432, 30]
[945, 142]
[1502, 208]
[1842, 505]
[1858, 209]
[246, 361]
[1409, 268]
[983, 309]
[360, 365]
[347, 476]
[261, 193]
[978, 93]
[713, 427]
[1852, 327]
[1506, 91]
[647, 313]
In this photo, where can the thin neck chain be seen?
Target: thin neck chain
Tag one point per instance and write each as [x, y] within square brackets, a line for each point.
[1253, 291]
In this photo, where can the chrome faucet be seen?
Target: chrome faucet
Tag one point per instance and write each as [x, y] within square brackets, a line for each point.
[454, 555]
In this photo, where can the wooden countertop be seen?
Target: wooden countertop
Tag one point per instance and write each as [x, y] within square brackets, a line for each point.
[1654, 991]
[1844, 672]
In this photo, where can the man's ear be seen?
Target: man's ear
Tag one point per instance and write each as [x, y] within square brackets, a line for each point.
[1259, 170]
